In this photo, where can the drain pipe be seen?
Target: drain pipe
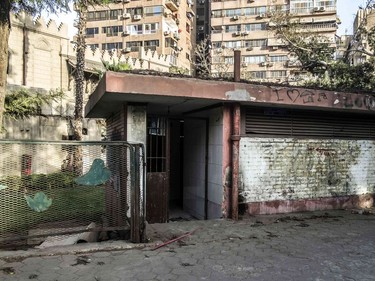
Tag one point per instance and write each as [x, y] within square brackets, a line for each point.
[236, 119]
[237, 65]
[236, 123]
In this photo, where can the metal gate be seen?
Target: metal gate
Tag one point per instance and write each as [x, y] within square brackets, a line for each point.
[53, 191]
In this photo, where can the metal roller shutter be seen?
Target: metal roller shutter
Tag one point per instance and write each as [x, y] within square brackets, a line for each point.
[308, 123]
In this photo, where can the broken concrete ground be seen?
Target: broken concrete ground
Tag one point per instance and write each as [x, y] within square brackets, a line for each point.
[334, 245]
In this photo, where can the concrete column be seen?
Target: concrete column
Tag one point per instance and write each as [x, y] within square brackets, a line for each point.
[137, 123]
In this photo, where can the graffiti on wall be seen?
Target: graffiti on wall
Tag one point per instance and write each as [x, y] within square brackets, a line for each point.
[342, 100]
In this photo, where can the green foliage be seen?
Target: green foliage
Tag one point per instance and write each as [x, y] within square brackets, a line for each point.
[40, 181]
[39, 203]
[348, 77]
[116, 66]
[37, 6]
[23, 103]
[313, 51]
[12, 182]
[178, 70]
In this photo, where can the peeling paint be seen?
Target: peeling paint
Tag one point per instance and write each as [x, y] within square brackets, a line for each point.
[239, 95]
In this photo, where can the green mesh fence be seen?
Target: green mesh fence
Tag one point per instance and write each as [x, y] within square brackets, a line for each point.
[60, 193]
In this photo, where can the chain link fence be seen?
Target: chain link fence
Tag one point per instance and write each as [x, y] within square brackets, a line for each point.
[60, 193]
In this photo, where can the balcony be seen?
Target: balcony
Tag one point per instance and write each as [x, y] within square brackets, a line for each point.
[172, 5]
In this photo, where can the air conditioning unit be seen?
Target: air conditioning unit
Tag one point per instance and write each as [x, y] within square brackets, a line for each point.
[249, 48]
[316, 9]
[137, 17]
[127, 50]
[260, 16]
[322, 9]
[244, 64]
[201, 2]
[263, 63]
[124, 16]
[166, 33]
[236, 34]
[179, 49]
[125, 1]
[125, 33]
[201, 28]
[235, 18]
[270, 64]
[275, 47]
[245, 33]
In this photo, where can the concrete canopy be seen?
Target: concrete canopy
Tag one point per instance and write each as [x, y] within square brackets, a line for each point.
[175, 96]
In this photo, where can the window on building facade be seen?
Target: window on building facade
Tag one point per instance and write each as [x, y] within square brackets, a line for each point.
[98, 15]
[301, 6]
[232, 12]
[154, 10]
[280, 58]
[112, 30]
[90, 32]
[150, 28]
[135, 11]
[217, 13]
[151, 45]
[232, 44]
[169, 42]
[134, 45]
[258, 74]
[278, 73]
[255, 43]
[134, 29]
[255, 26]
[229, 60]
[111, 46]
[232, 28]
[255, 11]
[113, 14]
[253, 59]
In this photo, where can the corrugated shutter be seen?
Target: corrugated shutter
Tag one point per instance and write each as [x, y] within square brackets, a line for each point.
[308, 123]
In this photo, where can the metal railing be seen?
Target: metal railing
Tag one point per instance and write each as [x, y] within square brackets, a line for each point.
[59, 189]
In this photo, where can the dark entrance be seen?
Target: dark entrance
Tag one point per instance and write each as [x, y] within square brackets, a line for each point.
[157, 170]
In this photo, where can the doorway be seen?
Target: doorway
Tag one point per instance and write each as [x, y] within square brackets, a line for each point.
[176, 169]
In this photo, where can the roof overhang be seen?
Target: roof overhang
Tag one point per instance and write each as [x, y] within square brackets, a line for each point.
[176, 96]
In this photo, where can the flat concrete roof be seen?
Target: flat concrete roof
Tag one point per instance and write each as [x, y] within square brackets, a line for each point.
[177, 96]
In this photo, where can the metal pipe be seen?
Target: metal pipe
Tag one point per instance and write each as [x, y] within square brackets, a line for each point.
[236, 117]
[237, 65]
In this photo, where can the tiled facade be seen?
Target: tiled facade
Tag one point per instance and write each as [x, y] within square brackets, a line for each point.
[244, 25]
[164, 26]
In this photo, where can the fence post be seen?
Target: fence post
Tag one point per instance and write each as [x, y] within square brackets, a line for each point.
[135, 227]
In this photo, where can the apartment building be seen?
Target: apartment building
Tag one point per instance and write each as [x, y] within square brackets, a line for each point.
[126, 27]
[365, 18]
[244, 25]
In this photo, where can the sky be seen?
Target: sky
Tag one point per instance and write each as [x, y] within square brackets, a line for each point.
[346, 10]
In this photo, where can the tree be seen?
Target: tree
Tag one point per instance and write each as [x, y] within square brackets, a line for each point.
[23, 103]
[81, 7]
[365, 29]
[313, 51]
[6, 7]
